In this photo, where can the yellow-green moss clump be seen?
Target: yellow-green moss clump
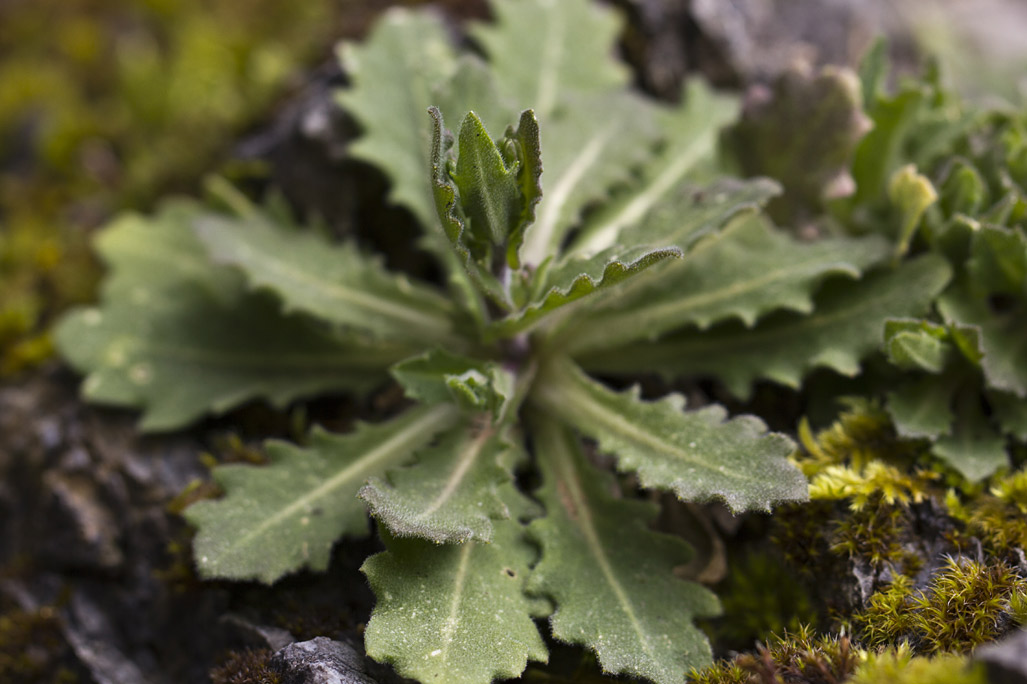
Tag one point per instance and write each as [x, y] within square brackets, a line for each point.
[937, 559]
[965, 605]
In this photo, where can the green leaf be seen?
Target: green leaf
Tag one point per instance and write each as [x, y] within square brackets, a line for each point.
[451, 493]
[593, 146]
[912, 193]
[923, 407]
[438, 376]
[394, 74]
[879, 152]
[695, 211]
[699, 455]
[287, 515]
[691, 130]
[455, 613]
[1003, 338]
[453, 221]
[526, 143]
[580, 277]
[917, 345]
[334, 282]
[488, 188]
[803, 134]
[612, 578]
[963, 189]
[975, 449]
[845, 326]
[178, 337]
[744, 271]
[1011, 413]
[541, 51]
[998, 260]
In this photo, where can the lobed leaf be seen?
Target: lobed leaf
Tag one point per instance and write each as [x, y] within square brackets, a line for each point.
[745, 271]
[455, 613]
[394, 75]
[541, 50]
[699, 455]
[334, 282]
[580, 277]
[922, 407]
[845, 327]
[179, 337]
[1003, 338]
[611, 578]
[452, 493]
[690, 131]
[286, 516]
[974, 448]
[593, 145]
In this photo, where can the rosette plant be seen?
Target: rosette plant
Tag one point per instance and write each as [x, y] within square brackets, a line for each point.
[590, 240]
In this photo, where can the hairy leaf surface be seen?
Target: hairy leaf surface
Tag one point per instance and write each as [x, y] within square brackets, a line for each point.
[285, 516]
[394, 75]
[691, 131]
[540, 50]
[845, 326]
[179, 337]
[699, 455]
[454, 613]
[585, 156]
[452, 493]
[611, 578]
[580, 277]
[334, 282]
[743, 272]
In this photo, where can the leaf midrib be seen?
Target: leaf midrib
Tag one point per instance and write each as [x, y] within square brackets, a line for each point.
[434, 419]
[568, 474]
[565, 391]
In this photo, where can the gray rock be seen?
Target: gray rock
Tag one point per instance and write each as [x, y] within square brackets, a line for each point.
[1006, 660]
[320, 661]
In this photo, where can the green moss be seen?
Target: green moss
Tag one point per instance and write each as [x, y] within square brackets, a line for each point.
[796, 657]
[876, 533]
[900, 666]
[965, 605]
